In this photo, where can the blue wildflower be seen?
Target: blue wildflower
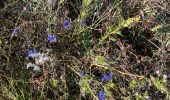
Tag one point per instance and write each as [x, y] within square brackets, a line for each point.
[101, 95]
[67, 24]
[106, 77]
[51, 38]
[82, 74]
[32, 53]
[83, 22]
[15, 31]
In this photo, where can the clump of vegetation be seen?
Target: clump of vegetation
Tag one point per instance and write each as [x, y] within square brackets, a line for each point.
[84, 50]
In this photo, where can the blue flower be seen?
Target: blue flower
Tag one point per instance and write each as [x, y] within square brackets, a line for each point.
[67, 24]
[32, 53]
[101, 95]
[15, 31]
[82, 74]
[83, 22]
[106, 77]
[51, 38]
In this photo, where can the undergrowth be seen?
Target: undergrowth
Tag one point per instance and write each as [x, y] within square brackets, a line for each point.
[84, 50]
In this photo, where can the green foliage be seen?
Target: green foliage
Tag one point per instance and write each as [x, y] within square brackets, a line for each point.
[133, 84]
[142, 97]
[160, 84]
[116, 29]
[100, 61]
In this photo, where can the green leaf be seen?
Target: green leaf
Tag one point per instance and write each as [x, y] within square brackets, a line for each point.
[100, 60]
[133, 84]
[54, 82]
